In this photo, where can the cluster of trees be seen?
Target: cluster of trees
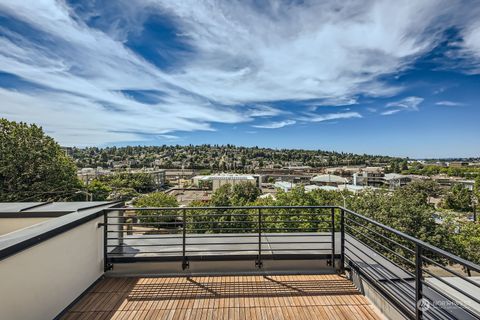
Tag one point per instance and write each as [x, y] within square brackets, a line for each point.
[215, 157]
[121, 186]
[430, 170]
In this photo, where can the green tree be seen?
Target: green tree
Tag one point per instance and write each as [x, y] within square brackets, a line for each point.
[467, 239]
[158, 218]
[123, 194]
[222, 197]
[99, 190]
[140, 182]
[244, 193]
[476, 187]
[458, 198]
[33, 167]
[241, 220]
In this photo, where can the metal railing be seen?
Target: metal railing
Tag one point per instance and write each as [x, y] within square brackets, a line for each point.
[220, 233]
[405, 270]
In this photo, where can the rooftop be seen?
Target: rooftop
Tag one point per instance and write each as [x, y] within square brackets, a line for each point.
[107, 261]
[328, 178]
[227, 297]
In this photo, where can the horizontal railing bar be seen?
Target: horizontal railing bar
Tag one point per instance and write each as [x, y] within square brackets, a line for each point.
[147, 216]
[303, 233]
[395, 295]
[266, 229]
[425, 245]
[388, 249]
[214, 243]
[210, 222]
[143, 231]
[379, 234]
[189, 215]
[137, 253]
[143, 223]
[220, 208]
[222, 250]
[395, 264]
[442, 293]
[220, 235]
[452, 271]
[451, 286]
[297, 221]
[406, 308]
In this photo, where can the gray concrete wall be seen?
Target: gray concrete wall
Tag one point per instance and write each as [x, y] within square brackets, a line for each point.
[384, 307]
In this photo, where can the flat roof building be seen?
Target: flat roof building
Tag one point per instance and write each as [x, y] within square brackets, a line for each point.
[223, 179]
[328, 180]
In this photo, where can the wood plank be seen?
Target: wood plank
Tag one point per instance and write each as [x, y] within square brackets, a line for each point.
[284, 297]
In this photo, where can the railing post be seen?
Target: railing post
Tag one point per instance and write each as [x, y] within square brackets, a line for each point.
[106, 265]
[259, 263]
[333, 238]
[185, 263]
[342, 241]
[418, 282]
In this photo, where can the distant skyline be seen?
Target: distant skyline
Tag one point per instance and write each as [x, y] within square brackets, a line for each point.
[398, 78]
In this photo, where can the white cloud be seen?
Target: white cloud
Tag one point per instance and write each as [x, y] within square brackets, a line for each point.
[331, 116]
[471, 44]
[275, 125]
[449, 103]
[169, 136]
[242, 55]
[390, 112]
[264, 111]
[408, 103]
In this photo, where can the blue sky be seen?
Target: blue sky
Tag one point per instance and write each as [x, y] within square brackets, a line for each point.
[380, 77]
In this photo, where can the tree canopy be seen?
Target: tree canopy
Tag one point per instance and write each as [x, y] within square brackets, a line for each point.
[33, 167]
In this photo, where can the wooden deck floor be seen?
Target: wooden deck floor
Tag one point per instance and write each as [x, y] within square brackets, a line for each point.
[232, 297]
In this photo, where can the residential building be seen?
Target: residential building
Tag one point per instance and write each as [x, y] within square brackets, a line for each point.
[395, 180]
[369, 176]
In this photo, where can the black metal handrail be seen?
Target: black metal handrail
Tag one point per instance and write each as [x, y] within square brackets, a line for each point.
[410, 286]
[396, 264]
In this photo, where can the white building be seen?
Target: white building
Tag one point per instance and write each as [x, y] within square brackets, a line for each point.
[284, 185]
[310, 188]
[328, 180]
[223, 179]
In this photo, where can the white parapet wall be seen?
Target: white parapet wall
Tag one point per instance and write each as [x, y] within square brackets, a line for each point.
[38, 283]
[8, 225]
[41, 280]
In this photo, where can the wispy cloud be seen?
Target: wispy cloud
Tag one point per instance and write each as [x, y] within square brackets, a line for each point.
[241, 57]
[449, 103]
[390, 112]
[169, 136]
[275, 125]
[331, 116]
[408, 103]
[264, 111]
